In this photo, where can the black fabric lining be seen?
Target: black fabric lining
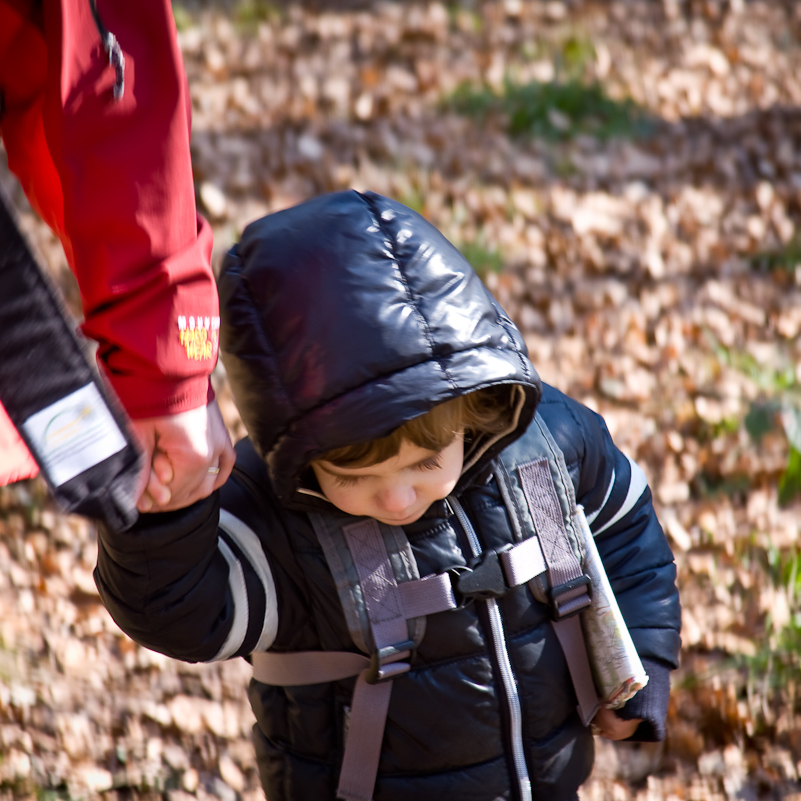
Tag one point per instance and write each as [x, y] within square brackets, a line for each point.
[433, 773]
[287, 751]
[426, 533]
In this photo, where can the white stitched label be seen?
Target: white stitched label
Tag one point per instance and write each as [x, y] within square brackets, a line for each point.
[73, 434]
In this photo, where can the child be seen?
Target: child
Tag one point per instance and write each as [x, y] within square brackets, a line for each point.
[391, 412]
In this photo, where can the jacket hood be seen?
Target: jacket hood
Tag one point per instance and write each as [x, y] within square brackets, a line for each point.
[346, 316]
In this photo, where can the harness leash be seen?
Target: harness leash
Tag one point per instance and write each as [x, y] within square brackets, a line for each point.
[385, 603]
[390, 608]
[68, 419]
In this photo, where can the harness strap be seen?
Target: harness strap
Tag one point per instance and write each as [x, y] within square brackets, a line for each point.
[420, 597]
[543, 504]
[571, 638]
[427, 595]
[379, 586]
[306, 667]
[368, 716]
[523, 562]
[569, 586]
[386, 613]
[389, 606]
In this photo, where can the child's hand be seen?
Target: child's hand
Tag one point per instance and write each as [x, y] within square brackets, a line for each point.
[609, 725]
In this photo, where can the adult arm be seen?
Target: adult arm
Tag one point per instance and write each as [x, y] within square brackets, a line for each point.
[113, 178]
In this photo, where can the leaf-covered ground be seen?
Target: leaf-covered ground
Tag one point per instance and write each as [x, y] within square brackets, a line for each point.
[627, 177]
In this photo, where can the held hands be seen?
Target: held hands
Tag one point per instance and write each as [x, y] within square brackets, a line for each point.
[609, 725]
[187, 457]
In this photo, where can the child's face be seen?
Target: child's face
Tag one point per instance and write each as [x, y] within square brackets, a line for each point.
[398, 490]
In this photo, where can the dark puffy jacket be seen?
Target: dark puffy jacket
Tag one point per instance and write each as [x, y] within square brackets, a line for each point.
[344, 317]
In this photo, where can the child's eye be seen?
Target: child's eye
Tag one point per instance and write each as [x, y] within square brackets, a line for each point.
[346, 481]
[434, 463]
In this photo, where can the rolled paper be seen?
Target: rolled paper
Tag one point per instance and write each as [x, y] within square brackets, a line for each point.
[616, 665]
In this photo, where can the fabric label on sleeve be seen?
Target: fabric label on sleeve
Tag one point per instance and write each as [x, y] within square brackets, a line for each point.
[73, 434]
[200, 336]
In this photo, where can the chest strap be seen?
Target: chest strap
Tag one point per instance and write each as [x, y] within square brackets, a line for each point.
[389, 606]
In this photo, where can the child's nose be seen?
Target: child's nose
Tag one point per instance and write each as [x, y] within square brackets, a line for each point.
[398, 498]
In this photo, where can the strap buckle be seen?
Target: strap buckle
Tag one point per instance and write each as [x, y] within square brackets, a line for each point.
[571, 597]
[385, 664]
[486, 580]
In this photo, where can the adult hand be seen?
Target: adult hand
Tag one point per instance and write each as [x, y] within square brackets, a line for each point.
[609, 725]
[183, 453]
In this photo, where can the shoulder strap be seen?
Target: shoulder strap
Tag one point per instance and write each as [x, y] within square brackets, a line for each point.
[368, 561]
[538, 445]
[385, 603]
[549, 498]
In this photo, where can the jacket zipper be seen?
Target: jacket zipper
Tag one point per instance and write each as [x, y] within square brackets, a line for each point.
[501, 654]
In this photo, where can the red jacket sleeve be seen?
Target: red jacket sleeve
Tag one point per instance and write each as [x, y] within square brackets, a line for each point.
[114, 180]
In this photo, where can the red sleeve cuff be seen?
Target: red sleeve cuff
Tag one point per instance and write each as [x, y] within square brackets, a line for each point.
[144, 397]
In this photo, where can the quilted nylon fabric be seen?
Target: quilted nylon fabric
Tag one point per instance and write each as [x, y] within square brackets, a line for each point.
[366, 317]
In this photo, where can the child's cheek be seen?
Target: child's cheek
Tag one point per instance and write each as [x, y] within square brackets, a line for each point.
[346, 499]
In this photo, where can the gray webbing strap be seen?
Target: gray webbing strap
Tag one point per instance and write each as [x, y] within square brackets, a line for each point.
[389, 606]
[306, 667]
[543, 504]
[381, 595]
[427, 595]
[368, 716]
[385, 610]
[564, 568]
[523, 562]
[571, 638]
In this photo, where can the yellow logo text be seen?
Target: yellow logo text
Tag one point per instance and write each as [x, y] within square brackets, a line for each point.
[199, 336]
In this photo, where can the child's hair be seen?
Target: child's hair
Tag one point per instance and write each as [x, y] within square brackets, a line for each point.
[485, 411]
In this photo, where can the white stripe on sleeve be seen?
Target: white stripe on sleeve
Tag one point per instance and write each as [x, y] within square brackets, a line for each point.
[593, 515]
[236, 582]
[249, 544]
[637, 485]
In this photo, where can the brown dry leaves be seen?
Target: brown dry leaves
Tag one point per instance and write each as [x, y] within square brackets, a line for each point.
[629, 266]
